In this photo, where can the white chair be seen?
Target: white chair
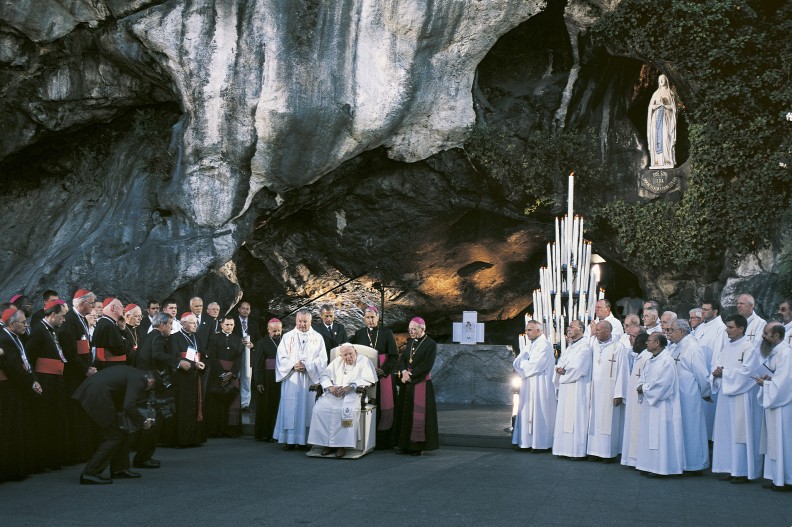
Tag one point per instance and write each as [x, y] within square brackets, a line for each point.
[368, 412]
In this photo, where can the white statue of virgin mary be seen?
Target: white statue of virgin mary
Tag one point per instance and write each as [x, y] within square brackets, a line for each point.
[661, 126]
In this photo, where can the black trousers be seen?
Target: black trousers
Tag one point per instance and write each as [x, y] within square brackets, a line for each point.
[112, 451]
[147, 441]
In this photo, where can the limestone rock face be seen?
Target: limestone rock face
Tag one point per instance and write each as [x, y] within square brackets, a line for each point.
[271, 95]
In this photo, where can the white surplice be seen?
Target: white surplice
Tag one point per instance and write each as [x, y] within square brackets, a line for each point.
[738, 418]
[535, 420]
[632, 412]
[609, 376]
[296, 404]
[574, 387]
[775, 397]
[693, 379]
[661, 448]
[336, 420]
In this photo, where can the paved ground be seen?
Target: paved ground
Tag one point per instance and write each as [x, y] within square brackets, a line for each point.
[242, 482]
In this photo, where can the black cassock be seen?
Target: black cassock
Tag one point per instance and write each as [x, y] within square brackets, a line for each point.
[223, 414]
[16, 397]
[422, 352]
[109, 342]
[264, 355]
[189, 427]
[48, 411]
[382, 340]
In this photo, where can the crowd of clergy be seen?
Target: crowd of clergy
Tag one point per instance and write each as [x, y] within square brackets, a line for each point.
[211, 367]
[664, 394]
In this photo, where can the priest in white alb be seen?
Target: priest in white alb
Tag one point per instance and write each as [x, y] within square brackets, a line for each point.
[694, 393]
[573, 380]
[661, 448]
[535, 420]
[775, 396]
[335, 424]
[738, 418]
[756, 324]
[710, 334]
[632, 403]
[610, 372]
[300, 361]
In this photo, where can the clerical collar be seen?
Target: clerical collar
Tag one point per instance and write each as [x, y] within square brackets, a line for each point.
[737, 340]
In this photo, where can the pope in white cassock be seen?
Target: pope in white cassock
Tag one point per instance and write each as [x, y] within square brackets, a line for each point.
[573, 380]
[661, 448]
[694, 392]
[710, 335]
[738, 418]
[300, 362]
[632, 412]
[336, 417]
[775, 396]
[609, 377]
[535, 421]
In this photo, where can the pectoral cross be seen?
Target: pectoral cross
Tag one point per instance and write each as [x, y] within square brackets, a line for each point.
[612, 360]
[741, 357]
[751, 337]
[676, 359]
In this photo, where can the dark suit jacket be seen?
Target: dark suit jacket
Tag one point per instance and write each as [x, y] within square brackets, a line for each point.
[110, 391]
[338, 337]
[145, 324]
[253, 328]
[206, 329]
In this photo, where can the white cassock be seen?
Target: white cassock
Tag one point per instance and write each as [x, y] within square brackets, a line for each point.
[296, 404]
[535, 421]
[574, 387]
[775, 397]
[710, 336]
[693, 380]
[617, 330]
[336, 420]
[788, 334]
[657, 328]
[661, 447]
[754, 330]
[632, 412]
[738, 418]
[609, 375]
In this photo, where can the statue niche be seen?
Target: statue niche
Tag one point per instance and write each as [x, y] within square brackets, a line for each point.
[661, 126]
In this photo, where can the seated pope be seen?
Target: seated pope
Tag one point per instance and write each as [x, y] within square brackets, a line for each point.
[335, 423]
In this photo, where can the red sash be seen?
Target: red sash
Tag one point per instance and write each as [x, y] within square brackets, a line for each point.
[200, 388]
[236, 405]
[418, 434]
[269, 364]
[83, 347]
[3, 376]
[108, 357]
[385, 399]
[49, 366]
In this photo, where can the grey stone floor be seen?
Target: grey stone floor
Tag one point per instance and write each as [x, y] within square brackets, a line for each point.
[243, 482]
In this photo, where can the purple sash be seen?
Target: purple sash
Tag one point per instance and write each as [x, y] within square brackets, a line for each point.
[418, 434]
[386, 399]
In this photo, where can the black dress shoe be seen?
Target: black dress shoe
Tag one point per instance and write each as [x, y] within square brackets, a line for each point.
[341, 452]
[91, 479]
[125, 474]
[739, 480]
[149, 463]
[725, 477]
[289, 447]
[692, 473]
[326, 451]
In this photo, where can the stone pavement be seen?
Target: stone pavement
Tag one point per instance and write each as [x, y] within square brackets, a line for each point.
[243, 482]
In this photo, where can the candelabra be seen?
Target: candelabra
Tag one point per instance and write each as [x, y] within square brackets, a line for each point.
[568, 285]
